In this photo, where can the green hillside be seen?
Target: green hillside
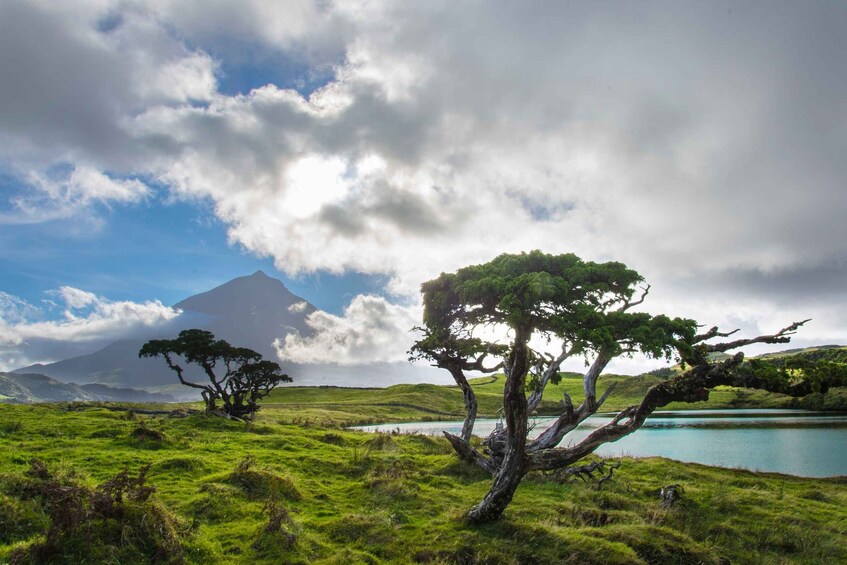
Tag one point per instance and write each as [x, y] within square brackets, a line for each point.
[434, 402]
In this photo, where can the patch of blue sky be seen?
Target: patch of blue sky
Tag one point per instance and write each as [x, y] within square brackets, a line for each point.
[109, 22]
[244, 65]
[153, 250]
[239, 74]
[9, 184]
[542, 211]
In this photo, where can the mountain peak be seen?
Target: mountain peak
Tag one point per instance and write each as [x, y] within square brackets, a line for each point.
[250, 311]
[258, 290]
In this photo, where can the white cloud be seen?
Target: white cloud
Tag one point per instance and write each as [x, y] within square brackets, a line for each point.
[88, 318]
[372, 330]
[14, 309]
[75, 298]
[75, 72]
[106, 319]
[63, 196]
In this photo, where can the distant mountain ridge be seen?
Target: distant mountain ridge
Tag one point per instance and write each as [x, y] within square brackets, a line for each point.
[250, 311]
[25, 388]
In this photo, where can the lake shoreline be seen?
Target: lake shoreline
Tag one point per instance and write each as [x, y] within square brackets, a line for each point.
[787, 441]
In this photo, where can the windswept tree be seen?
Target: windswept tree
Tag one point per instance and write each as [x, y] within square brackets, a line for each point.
[573, 308]
[238, 377]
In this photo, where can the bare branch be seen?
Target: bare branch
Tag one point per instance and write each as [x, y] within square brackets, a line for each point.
[629, 304]
[602, 480]
[625, 413]
[782, 336]
[551, 370]
[589, 380]
[567, 404]
[469, 454]
[469, 398]
[605, 395]
[691, 386]
[713, 332]
[568, 421]
[178, 370]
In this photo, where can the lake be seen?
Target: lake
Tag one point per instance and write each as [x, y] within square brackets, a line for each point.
[796, 442]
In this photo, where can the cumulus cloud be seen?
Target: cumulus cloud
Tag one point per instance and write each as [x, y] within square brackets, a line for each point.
[27, 337]
[63, 196]
[371, 330]
[693, 141]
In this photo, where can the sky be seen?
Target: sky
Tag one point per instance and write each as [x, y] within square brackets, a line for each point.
[153, 149]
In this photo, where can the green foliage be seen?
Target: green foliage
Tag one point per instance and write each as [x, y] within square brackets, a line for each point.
[817, 370]
[559, 296]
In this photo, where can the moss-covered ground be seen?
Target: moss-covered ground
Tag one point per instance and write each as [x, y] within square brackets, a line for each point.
[294, 487]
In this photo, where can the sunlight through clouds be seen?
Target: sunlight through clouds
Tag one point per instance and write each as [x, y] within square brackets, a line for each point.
[313, 182]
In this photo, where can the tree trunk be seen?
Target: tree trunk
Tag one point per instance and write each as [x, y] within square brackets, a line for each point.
[470, 401]
[502, 490]
[514, 464]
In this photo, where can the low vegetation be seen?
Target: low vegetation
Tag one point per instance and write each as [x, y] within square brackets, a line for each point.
[295, 487]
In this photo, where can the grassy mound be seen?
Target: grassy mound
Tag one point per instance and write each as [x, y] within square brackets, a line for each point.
[261, 484]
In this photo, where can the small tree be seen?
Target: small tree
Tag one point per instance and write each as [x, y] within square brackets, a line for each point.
[585, 308]
[246, 377]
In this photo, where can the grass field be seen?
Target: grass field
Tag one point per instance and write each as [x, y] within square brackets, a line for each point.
[296, 488]
[350, 406]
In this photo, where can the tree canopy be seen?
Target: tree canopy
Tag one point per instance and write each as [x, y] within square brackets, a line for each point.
[237, 376]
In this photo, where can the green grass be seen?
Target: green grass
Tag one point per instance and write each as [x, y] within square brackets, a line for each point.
[296, 488]
[351, 406]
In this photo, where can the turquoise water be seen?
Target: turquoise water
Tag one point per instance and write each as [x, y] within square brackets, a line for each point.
[796, 442]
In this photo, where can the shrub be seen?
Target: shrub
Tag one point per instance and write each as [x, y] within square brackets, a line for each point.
[280, 531]
[258, 484]
[11, 427]
[142, 433]
[333, 439]
[116, 521]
